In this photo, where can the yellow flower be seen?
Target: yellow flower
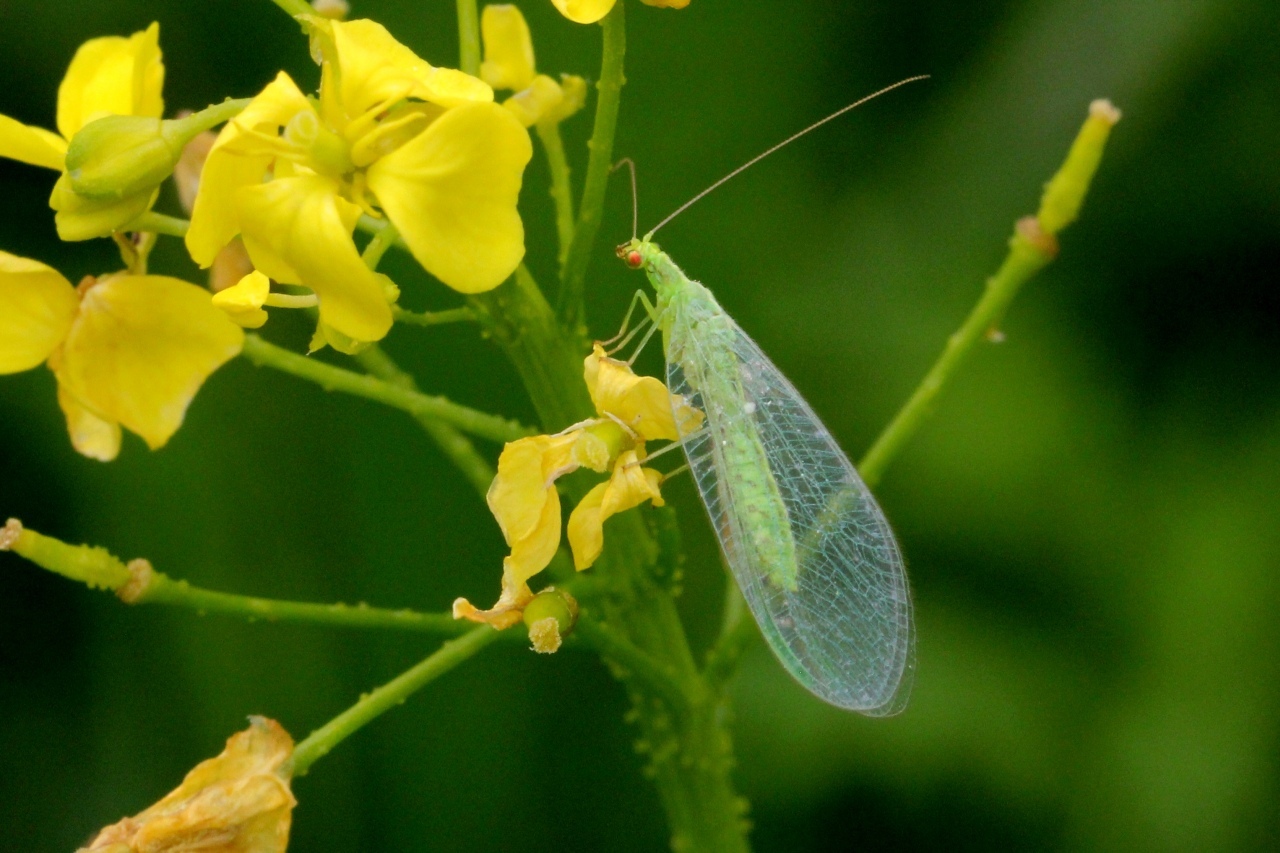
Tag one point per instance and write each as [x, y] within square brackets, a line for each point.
[523, 497]
[108, 76]
[390, 135]
[127, 350]
[238, 802]
[509, 64]
[590, 11]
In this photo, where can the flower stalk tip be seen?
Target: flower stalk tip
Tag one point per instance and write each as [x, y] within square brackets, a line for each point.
[9, 534]
[91, 565]
[1065, 192]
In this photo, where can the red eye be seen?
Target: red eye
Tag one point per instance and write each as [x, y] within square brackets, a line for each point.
[634, 260]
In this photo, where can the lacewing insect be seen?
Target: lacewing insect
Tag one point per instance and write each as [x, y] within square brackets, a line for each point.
[804, 539]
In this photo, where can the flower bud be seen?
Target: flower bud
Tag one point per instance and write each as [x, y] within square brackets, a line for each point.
[118, 156]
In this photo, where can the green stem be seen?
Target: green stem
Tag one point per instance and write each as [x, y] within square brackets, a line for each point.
[382, 240]
[461, 452]
[1033, 246]
[375, 703]
[468, 37]
[332, 378]
[517, 316]
[433, 318]
[561, 187]
[1027, 256]
[633, 661]
[685, 739]
[573, 280]
[158, 588]
[159, 223]
[738, 630]
[294, 8]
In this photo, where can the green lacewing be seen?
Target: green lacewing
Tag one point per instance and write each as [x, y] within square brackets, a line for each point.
[804, 538]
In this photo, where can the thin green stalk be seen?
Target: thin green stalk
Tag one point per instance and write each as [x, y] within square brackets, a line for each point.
[159, 588]
[561, 187]
[433, 318]
[382, 240]
[332, 378]
[573, 281]
[375, 703]
[1024, 260]
[159, 223]
[1033, 246]
[468, 37]
[461, 452]
[294, 8]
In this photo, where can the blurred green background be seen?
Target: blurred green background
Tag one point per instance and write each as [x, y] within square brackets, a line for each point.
[1090, 521]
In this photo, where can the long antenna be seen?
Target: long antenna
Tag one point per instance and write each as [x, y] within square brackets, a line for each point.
[635, 198]
[790, 139]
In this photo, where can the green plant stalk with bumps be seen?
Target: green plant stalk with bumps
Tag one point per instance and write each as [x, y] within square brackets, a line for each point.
[628, 609]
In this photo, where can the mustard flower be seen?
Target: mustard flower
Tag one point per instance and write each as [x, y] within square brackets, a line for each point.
[590, 11]
[389, 135]
[523, 498]
[127, 350]
[509, 64]
[107, 76]
[237, 802]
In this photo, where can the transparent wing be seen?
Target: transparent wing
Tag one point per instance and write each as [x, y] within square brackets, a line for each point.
[844, 629]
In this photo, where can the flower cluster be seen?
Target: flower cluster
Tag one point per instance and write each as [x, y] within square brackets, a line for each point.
[523, 498]
[274, 199]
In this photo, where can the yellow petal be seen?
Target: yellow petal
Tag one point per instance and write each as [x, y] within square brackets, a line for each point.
[90, 435]
[509, 608]
[375, 68]
[541, 98]
[298, 231]
[33, 145]
[573, 96]
[112, 76]
[37, 307]
[586, 528]
[641, 402]
[533, 553]
[629, 487]
[452, 193]
[508, 48]
[238, 159]
[666, 4]
[584, 11]
[243, 301]
[79, 218]
[238, 802]
[141, 347]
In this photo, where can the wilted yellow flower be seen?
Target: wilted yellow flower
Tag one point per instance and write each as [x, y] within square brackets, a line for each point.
[523, 496]
[108, 76]
[509, 64]
[590, 11]
[127, 350]
[238, 802]
[390, 135]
